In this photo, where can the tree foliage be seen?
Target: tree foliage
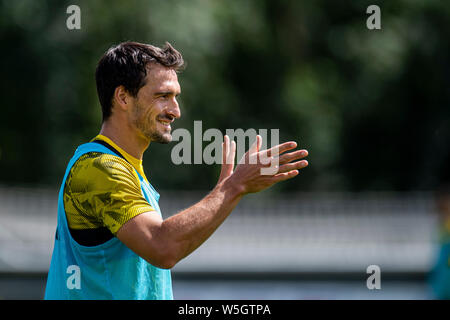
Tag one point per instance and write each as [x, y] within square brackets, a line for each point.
[371, 106]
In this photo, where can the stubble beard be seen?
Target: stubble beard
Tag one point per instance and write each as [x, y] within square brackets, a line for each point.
[144, 127]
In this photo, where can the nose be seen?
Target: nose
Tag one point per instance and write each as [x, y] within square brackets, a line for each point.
[174, 109]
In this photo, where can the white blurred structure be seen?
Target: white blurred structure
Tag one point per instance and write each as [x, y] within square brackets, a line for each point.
[327, 232]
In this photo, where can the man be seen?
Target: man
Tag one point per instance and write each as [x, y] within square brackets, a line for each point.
[111, 241]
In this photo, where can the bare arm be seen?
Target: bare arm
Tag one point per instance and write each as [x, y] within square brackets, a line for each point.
[165, 242]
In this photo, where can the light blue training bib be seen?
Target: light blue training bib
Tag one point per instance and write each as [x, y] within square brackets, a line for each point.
[107, 271]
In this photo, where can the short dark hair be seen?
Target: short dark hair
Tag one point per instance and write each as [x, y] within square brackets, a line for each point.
[126, 64]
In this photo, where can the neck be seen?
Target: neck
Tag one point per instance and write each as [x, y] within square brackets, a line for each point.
[125, 137]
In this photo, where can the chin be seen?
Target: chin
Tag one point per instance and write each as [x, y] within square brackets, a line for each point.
[164, 138]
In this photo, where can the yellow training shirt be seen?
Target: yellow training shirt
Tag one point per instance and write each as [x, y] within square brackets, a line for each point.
[103, 190]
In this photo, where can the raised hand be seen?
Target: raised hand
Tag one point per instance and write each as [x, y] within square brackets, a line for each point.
[260, 169]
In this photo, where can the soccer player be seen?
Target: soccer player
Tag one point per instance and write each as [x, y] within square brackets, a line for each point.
[111, 241]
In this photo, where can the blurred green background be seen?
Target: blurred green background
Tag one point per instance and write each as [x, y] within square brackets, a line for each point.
[371, 106]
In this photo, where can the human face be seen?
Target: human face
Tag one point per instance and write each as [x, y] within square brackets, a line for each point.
[156, 105]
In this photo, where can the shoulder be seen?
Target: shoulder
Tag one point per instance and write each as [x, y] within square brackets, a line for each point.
[95, 171]
[94, 164]
[105, 188]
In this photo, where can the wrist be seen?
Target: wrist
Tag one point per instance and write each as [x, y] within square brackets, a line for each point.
[232, 188]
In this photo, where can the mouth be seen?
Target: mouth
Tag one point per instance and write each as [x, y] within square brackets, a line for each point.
[166, 123]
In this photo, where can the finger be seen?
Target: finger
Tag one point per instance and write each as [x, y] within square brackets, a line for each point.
[227, 163]
[256, 145]
[288, 157]
[284, 176]
[232, 154]
[251, 156]
[225, 148]
[279, 149]
[293, 166]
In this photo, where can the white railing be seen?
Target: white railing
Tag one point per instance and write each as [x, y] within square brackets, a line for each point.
[304, 232]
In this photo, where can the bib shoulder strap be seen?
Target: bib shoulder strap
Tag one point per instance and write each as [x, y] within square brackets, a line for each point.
[110, 147]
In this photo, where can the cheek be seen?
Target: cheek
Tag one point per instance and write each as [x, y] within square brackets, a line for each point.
[149, 116]
[145, 111]
[155, 109]
[152, 114]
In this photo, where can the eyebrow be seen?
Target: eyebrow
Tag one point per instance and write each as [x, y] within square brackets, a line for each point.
[161, 93]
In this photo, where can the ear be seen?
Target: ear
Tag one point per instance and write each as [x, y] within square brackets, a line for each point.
[122, 98]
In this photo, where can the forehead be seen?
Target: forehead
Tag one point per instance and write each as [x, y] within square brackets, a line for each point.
[161, 78]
